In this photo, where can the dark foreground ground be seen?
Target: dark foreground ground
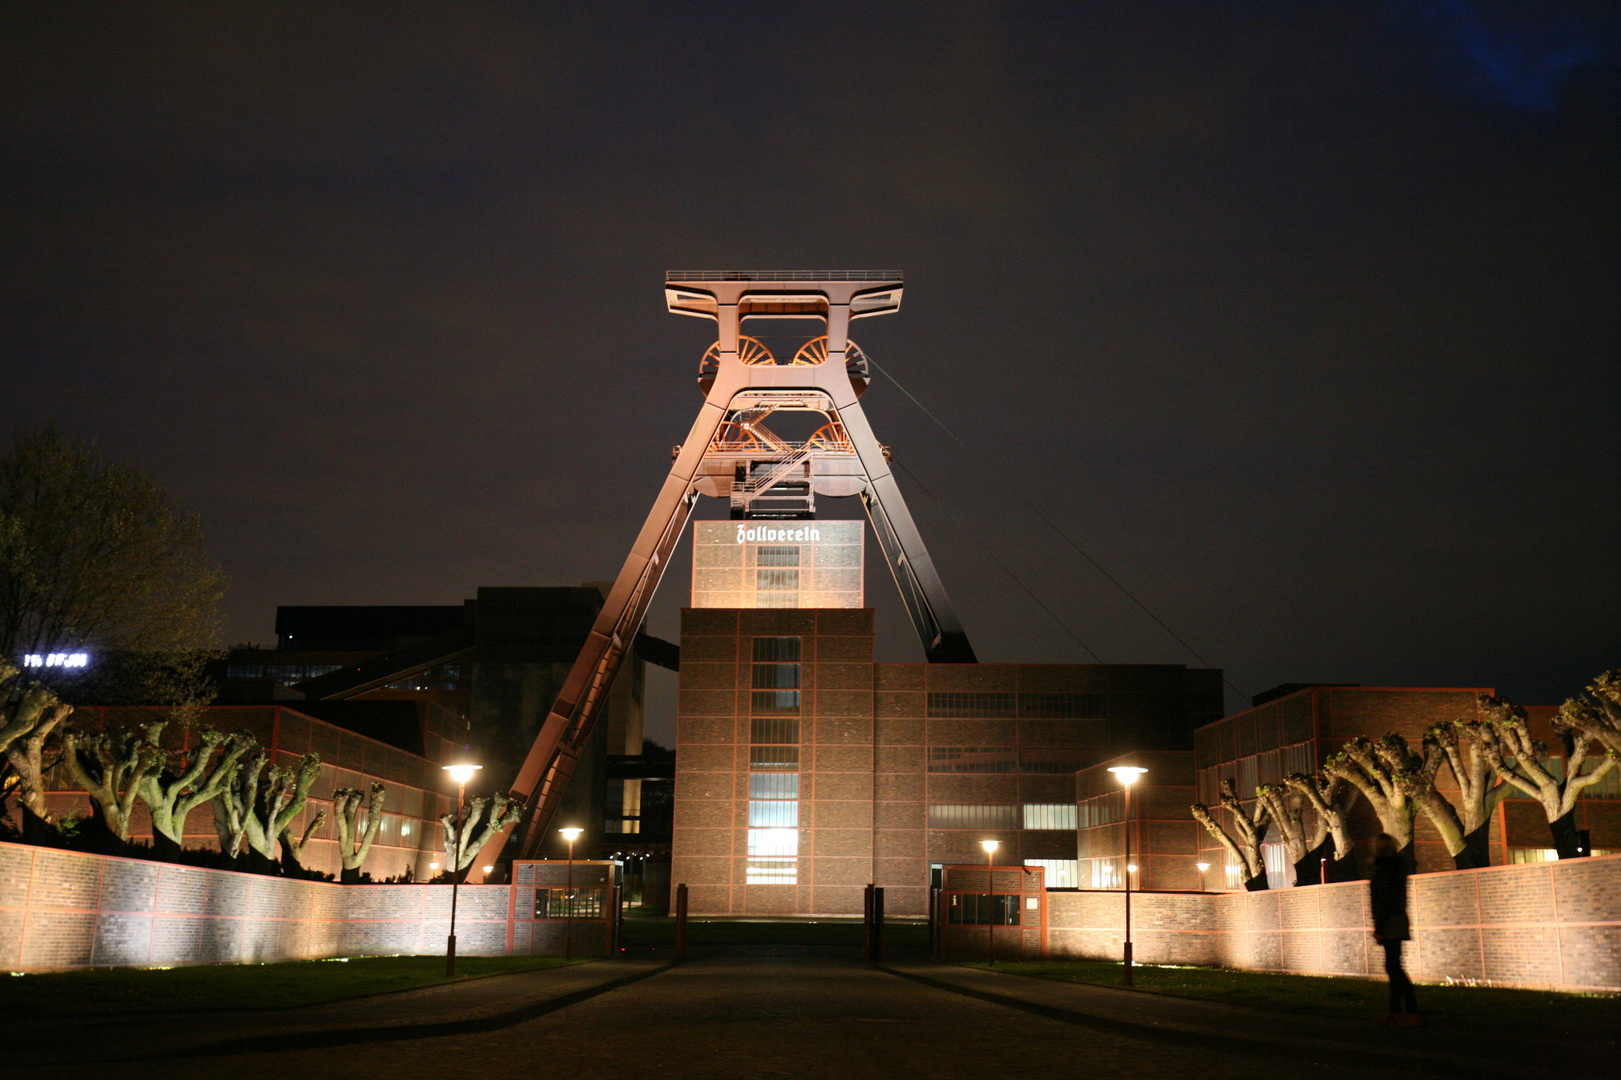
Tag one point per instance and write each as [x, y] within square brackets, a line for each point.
[767, 1018]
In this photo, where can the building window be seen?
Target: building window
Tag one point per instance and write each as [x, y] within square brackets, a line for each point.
[971, 816]
[957, 704]
[1056, 760]
[1062, 706]
[972, 759]
[776, 556]
[1049, 816]
[554, 904]
[773, 836]
[971, 909]
[1101, 810]
[245, 671]
[773, 757]
[1106, 873]
[775, 684]
[1061, 873]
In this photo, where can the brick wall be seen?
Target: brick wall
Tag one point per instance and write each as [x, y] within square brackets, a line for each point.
[1537, 924]
[61, 909]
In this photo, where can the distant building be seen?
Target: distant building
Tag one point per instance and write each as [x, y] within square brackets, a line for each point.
[484, 671]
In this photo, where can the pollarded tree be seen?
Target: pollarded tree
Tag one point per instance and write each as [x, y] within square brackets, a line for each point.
[1246, 846]
[1414, 773]
[1596, 715]
[483, 819]
[358, 818]
[29, 715]
[1359, 765]
[259, 805]
[1300, 837]
[95, 557]
[172, 795]
[111, 767]
[1479, 791]
[1330, 799]
[1504, 738]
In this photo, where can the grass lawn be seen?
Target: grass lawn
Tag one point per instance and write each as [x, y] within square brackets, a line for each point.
[661, 931]
[1345, 998]
[240, 986]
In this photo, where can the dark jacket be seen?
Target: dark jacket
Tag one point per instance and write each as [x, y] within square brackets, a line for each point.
[1389, 895]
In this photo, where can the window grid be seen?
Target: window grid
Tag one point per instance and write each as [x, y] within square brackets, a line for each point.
[972, 759]
[1050, 816]
[972, 816]
[773, 833]
[1060, 873]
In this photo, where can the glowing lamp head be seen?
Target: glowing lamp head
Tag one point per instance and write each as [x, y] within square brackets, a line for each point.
[489, 869]
[1203, 866]
[1126, 774]
[433, 866]
[463, 772]
[1131, 868]
[990, 846]
[571, 834]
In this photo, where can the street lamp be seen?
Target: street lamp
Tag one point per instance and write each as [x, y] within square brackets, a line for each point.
[990, 847]
[1127, 775]
[570, 834]
[1203, 866]
[461, 773]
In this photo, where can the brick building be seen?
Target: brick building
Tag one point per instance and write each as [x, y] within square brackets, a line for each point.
[1164, 839]
[806, 770]
[1296, 730]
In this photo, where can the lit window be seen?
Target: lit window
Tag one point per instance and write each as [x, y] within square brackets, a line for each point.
[970, 909]
[973, 759]
[1049, 816]
[1060, 873]
[776, 675]
[971, 816]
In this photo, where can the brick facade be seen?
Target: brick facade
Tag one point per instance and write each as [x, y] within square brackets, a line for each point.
[63, 909]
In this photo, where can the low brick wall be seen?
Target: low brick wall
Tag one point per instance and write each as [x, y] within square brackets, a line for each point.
[62, 909]
[1166, 927]
[1538, 924]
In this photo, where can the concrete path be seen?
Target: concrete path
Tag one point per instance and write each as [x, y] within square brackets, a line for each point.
[750, 1019]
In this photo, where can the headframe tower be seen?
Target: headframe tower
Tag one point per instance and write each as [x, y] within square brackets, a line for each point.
[732, 453]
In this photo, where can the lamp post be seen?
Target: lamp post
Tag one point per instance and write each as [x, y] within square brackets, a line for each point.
[990, 847]
[570, 834]
[1127, 775]
[460, 773]
[1203, 866]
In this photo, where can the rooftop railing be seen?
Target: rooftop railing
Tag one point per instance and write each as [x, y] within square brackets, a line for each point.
[782, 275]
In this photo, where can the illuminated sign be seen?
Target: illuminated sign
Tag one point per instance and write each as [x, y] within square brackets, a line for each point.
[777, 564]
[57, 659]
[766, 534]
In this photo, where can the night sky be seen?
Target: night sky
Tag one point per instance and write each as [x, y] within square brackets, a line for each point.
[1300, 318]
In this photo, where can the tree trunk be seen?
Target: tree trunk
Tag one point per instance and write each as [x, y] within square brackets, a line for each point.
[36, 830]
[1309, 871]
[290, 866]
[165, 848]
[1565, 840]
[1477, 849]
[1343, 869]
[350, 875]
[1409, 855]
[1256, 884]
[255, 863]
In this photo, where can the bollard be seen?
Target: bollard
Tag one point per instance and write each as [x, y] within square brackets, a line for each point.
[877, 923]
[866, 923]
[680, 922]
